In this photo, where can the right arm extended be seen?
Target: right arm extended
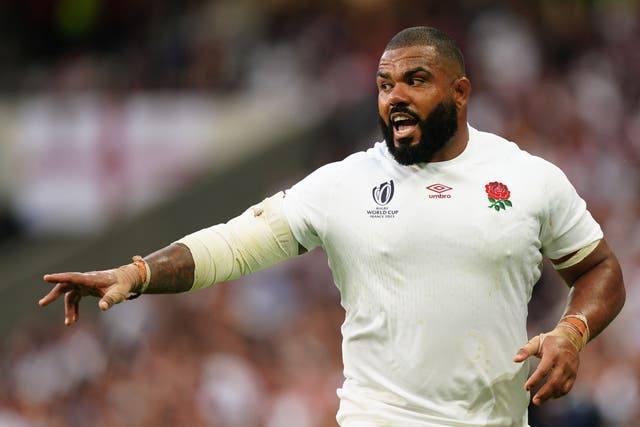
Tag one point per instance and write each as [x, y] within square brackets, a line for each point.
[260, 237]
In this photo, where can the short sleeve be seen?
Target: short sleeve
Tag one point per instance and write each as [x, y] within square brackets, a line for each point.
[567, 225]
[305, 205]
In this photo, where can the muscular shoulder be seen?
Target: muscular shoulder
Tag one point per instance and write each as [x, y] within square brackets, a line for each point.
[508, 154]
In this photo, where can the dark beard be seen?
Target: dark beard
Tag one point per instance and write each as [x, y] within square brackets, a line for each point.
[435, 132]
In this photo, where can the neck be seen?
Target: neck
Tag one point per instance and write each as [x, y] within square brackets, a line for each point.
[456, 144]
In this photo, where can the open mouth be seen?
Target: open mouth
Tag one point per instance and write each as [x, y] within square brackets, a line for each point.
[404, 125]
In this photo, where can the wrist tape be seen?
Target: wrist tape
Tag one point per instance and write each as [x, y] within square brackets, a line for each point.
[576, 329]
[144, 271]
[573, 327]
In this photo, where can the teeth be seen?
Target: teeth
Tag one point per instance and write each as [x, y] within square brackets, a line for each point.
[398, 118]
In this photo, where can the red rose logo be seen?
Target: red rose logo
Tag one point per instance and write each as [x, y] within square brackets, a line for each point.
[497, 191]
[498, 195]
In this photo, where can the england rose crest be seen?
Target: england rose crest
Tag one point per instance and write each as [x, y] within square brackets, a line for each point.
[498, 194]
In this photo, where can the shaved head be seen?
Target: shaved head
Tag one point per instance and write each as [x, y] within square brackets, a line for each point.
[447, 49]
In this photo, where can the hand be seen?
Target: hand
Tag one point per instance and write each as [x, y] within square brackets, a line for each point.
[558, 366]
[111, 286]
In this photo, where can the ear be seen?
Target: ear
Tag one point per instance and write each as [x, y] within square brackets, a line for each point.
[461, 91]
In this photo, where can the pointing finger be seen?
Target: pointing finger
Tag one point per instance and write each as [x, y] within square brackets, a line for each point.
[59, 277]
[88, 279]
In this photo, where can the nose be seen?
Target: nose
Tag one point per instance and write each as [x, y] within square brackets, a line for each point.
[398, 95]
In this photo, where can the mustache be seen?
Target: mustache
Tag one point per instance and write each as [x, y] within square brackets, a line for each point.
[404, 110]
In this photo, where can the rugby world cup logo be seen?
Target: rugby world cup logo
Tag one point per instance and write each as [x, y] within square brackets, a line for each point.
[383, 193]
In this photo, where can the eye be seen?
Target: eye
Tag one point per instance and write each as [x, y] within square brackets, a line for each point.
[384, 86]
[412, 81]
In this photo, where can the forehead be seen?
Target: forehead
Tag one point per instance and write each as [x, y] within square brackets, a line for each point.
[407, 58]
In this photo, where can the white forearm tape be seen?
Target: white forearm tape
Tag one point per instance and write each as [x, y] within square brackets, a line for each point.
[258, 238]
[578, 256]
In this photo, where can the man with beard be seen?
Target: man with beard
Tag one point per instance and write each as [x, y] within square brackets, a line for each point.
[435, 239]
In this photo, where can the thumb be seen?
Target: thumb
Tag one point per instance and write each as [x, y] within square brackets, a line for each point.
[110, 299]
[105, 303]
[531, 348]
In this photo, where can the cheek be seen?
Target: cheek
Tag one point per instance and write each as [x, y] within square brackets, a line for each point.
[426, 101]
[383, 106]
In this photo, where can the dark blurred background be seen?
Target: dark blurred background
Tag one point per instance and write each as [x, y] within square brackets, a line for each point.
[127, 124]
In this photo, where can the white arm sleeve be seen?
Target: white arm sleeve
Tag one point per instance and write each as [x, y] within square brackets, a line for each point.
[258, 238]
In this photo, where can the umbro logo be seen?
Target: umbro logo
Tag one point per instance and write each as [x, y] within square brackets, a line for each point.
[439, 190]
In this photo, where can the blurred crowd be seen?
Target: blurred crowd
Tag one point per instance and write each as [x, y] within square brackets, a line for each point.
[558, 78]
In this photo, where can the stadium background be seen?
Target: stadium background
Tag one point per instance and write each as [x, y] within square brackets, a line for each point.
[124, 125]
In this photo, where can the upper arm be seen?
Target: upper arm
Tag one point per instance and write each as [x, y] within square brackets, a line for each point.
[305, 205]
[602, 257]
[566, 224]
[597, 288]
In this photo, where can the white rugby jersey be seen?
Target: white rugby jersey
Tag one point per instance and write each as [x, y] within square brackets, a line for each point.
[435, 264]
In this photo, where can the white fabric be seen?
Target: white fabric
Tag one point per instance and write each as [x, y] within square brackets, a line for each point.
[435, 283]
[254, 240]
[578, 256]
